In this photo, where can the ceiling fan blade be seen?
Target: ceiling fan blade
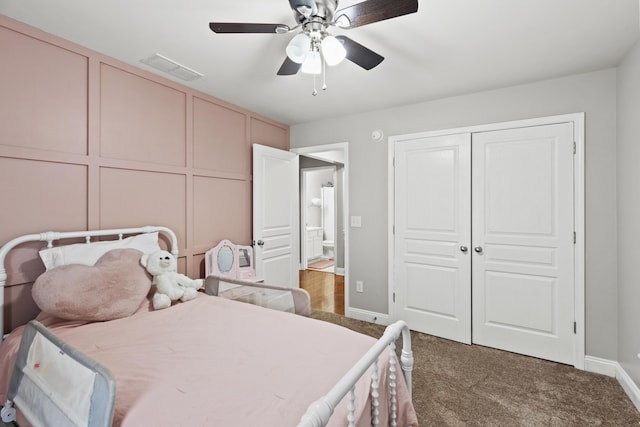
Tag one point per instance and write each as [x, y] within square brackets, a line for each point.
[360, 55]
[238, 27]
[370, 11]
[289, 68]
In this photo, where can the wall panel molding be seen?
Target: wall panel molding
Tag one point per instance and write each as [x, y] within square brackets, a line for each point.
[130, 148]
[56, 94]
[141, 119]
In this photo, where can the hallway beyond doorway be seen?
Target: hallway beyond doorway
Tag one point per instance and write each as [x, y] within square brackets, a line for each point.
[326, 290]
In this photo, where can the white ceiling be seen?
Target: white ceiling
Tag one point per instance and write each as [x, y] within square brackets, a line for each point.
[449, 47]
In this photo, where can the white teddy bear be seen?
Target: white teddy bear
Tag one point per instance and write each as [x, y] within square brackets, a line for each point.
[170, 285]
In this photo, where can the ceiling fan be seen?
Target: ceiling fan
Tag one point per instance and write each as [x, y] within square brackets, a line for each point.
[313, 46]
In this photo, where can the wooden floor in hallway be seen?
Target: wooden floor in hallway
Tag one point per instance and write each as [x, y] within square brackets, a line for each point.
[326, 290]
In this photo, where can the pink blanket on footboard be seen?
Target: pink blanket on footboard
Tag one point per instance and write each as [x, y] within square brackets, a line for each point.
[215, 362]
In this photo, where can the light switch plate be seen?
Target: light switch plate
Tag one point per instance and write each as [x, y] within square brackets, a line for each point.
[356, 221]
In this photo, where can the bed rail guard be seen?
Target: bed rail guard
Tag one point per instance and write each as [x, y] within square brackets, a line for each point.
[320, 411]
[51, 236]
[85, 398]
[301, 298]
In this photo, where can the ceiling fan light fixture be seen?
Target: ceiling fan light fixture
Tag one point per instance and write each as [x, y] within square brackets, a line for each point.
[312, 64]
[332, 50]
[299, 48]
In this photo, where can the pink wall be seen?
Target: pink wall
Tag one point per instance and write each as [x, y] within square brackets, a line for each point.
[88, 142]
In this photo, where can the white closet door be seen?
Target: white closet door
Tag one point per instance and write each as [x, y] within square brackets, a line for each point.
[432, 235]
[522, 212]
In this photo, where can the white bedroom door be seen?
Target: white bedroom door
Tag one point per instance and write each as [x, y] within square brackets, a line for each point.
[433, 235]
[275, 215]
[522, 210]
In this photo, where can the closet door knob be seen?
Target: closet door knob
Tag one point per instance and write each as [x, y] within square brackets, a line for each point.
[478, 249]
[259, 243]
[464, 249]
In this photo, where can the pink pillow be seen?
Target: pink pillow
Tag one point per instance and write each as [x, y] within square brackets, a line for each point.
[113, 288]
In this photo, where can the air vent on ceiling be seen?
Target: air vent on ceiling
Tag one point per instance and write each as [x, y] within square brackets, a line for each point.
[169, 66]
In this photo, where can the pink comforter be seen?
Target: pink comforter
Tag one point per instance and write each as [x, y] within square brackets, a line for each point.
[215, 362]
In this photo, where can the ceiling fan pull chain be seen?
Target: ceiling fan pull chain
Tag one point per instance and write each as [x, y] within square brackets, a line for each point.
[315, 91]
[324, 74]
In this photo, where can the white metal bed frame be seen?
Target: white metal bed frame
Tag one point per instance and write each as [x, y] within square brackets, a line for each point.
[320, 411]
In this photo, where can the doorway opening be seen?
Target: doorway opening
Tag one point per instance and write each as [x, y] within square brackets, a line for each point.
[323, 237]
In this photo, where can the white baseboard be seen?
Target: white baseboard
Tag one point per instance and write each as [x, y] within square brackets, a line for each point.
[601, 366]
[629, 386]
[612, 368]
[368, 316]
[339, 271]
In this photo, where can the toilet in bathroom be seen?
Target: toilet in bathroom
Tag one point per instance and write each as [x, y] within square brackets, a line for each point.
[327, 249]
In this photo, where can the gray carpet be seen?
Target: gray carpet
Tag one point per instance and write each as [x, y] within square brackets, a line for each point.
[469, 385]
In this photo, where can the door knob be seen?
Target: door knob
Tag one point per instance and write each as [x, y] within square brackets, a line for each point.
[259, 243]
[478, 249]
[464, 249]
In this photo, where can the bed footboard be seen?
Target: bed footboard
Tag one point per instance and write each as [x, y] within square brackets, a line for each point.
[320, 411]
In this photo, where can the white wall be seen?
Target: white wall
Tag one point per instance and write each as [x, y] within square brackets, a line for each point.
[592, 93]
[315, 180]
[628, 177]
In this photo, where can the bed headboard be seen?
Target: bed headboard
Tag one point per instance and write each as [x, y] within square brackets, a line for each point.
[51, 236]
